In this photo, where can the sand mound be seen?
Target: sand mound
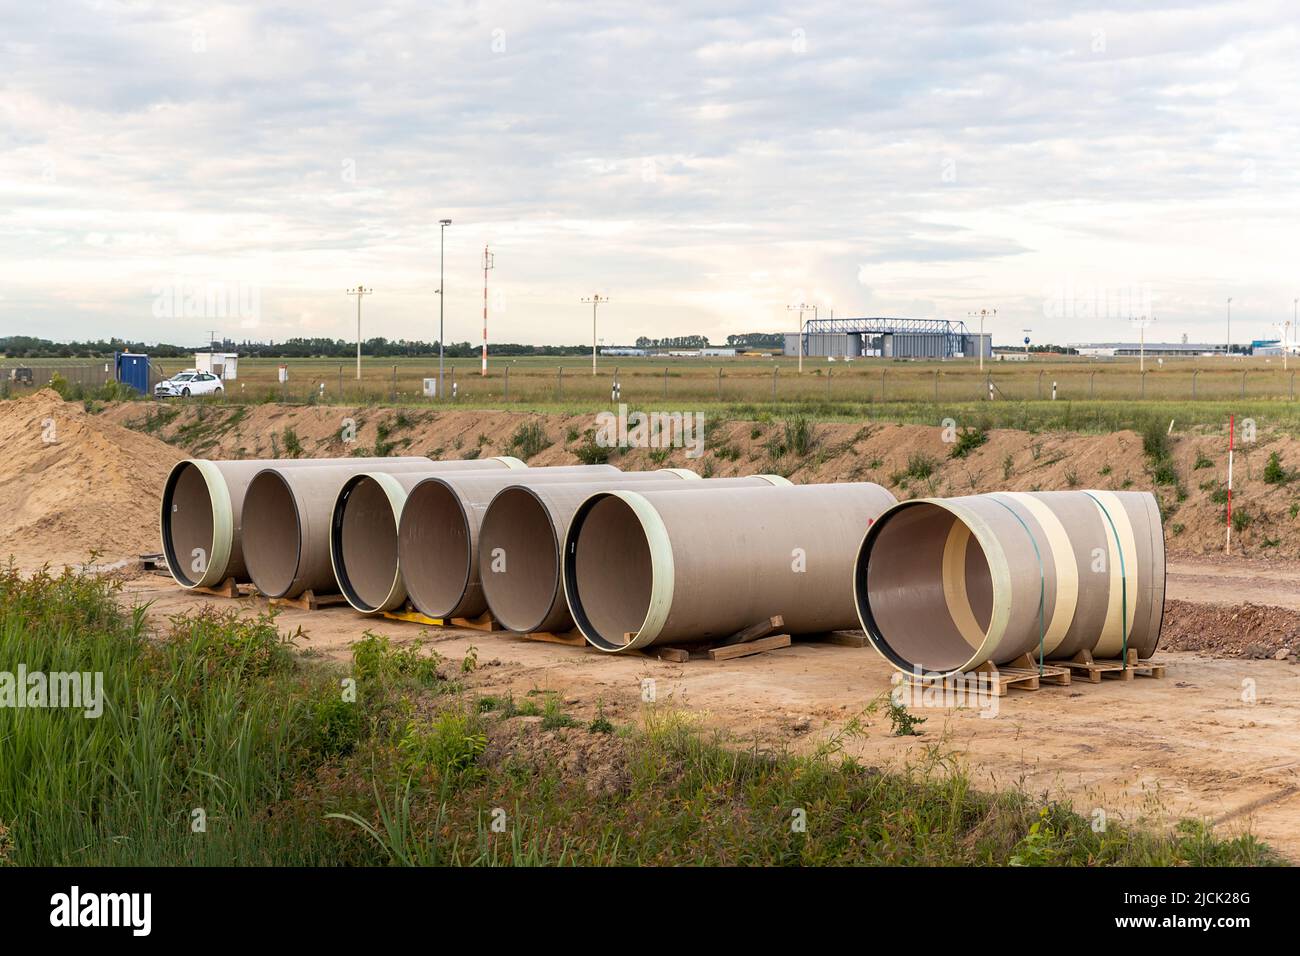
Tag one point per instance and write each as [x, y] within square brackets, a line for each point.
[72, 484]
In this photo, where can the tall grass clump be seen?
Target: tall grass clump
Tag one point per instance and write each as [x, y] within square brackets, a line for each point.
[528, 440]
[219, 745]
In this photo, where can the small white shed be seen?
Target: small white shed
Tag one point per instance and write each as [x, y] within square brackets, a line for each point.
[224, 365]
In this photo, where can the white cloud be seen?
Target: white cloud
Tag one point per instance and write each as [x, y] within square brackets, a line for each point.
[693, 166]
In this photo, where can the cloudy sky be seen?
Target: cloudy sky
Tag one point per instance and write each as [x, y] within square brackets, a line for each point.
[703, 165]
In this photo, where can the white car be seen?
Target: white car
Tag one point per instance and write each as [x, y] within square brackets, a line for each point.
[187, 383]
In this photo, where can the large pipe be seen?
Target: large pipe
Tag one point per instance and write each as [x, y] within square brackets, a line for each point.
[945, 585]
[521, 546]
[287, 514]
[201, 514]
[368, 512]
[440, 530]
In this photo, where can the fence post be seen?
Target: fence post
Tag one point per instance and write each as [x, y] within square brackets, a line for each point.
[507, 394]
[1143, 376]
[1040, 384]
[394, 384]
[719, 383]
[1195, 372]
[829, 373]
[1243, 382]
[559, 384]
[936, 385]
[665, 384]
[1291, 393]
[1091, 388]
[340, 398]
[775, 369]
[883, 373]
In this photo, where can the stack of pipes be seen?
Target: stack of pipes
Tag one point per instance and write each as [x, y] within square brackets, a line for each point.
[633, 559]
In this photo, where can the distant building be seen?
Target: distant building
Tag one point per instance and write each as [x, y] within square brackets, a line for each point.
[224, 365]
[620, 350]
[1174, 349]
[888, 338]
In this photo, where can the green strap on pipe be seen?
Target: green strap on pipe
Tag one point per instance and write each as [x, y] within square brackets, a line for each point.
[1042, 581]
[1123, 580]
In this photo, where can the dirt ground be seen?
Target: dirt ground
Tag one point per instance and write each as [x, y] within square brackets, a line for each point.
[1215, 739]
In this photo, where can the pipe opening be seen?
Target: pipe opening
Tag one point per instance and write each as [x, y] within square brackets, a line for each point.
[520, 559]
[609, 571]
[433, 545]
[187, 524]
[363, 543]
[272, 534]
[923, 588]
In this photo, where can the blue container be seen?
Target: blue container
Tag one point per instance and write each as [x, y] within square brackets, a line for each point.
[132, 370]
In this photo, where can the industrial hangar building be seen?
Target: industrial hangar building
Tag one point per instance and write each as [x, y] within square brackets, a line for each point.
[889, 338]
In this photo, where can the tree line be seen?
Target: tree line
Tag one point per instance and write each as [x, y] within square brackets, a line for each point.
[26, 346]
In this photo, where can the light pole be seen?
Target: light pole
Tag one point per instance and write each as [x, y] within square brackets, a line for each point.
[442, 297]
[1295, 315]
[1229, 327]
[1142, 322]
[980, 346]
[595, 300]
[801, 308]
[360, 292]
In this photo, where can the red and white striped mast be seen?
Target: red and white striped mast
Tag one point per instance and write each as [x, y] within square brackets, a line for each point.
[487, 264]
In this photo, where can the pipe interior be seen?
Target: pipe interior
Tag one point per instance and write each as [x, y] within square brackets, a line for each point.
[434, 548]
[519, 562]
[612, 570]
[271, 535]
[366, 544]
[928, 591]
[188, 524]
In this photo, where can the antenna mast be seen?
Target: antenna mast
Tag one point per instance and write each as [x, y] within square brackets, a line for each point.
[488, 263]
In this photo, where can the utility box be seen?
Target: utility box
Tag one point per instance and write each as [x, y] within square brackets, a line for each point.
[132, 369]
[430, 388]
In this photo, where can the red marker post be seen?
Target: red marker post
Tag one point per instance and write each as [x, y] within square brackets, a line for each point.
[1227, 547]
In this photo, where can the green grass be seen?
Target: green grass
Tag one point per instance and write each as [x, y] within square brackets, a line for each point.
[968, 439]
[1274, 473]
[215, 717]
[528, 440]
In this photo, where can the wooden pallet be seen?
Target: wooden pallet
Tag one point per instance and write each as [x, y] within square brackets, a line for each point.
[484, 622]
[757, 646]
[839, 638]
[228, 588]
[1022, 673]
[309, 600]
[1094, 670]
[568, 638]
[154, 562]
[746, 642]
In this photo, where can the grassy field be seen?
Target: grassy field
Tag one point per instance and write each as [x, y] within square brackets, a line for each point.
[536, 381]
[220, 745]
